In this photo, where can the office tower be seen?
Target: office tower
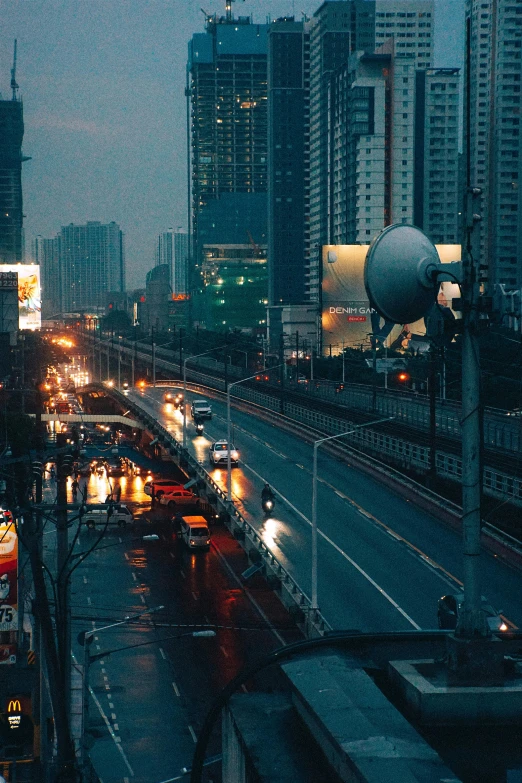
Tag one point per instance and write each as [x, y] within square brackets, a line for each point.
[92, 262]
[289, 167]
[495, 32]
[395, 147]
[336, 30]
[227, 88]
[11, 159]
[172, 248]
[46, 253]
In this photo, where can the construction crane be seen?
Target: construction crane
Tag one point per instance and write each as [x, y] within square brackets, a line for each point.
[228, 9]
[14, 86]
[258, 253]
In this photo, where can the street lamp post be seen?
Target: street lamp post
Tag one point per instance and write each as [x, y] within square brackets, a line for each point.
[229, 461]
[317, 443]
[195, 356]
[119, 365]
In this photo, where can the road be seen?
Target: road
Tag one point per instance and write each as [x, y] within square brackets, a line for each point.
[383, 563]
[148, 700]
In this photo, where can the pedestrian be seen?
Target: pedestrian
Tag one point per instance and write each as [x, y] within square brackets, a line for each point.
[74, 487]
[53, 472]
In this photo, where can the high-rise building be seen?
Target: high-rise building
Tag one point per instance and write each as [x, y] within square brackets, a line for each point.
[289, 167]
[11, 159]
[495, 33]
[172, 248]
[46, 253]
[227, 88]
[337, 29]
[92, 262]
[395, 147]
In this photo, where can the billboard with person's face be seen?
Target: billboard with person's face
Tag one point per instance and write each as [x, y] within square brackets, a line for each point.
[347, 317]
[29, 294]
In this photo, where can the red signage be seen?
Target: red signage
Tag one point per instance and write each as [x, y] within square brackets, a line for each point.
[357, 318]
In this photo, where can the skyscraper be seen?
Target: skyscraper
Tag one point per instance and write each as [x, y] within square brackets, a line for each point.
[46, 253]
[172, 248]
[336, 30]
[395, 147]
[92, 263]
[227, 87]
[495, 37]
[11, 159]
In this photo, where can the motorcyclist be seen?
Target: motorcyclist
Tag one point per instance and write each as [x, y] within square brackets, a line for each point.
[198, 423]
[267, 494]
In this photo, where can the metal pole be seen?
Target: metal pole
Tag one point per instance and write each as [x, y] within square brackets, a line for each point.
[63, 625]
[386, 368]
[153, 347]
[229, 462]
[119, 367]
[374, 374]
[108, 361]
[185, 402]
[314, 528]
[343, 363]
[433, 411]
[312, 362]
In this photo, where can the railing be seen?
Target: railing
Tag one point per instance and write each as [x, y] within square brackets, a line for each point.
[310, 620]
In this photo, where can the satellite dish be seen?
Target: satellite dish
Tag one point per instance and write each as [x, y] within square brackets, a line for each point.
[401, 273]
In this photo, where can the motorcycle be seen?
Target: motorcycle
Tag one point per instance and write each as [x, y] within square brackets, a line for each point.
[267, 505]
[199, 428]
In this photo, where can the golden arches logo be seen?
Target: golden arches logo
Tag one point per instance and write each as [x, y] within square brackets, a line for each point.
[14, 706]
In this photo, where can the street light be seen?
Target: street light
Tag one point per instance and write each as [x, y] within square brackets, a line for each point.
[229, 461]
[317, 443]
[195, 356]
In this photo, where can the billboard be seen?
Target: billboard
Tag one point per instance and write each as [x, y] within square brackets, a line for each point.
[348, 319]
[8, 575]
[29, 294]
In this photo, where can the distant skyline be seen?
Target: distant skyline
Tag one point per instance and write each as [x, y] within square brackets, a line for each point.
[104, 107]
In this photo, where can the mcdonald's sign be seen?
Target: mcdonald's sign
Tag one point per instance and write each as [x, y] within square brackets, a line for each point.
[14, 713]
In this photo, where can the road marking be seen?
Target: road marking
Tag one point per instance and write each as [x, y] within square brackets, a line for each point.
[182, 573]
[116, 728]
[111, 705]
[176, 691]
[192, 733]
[89, 600]
[163, 654]
[105, 678]
[244, 688]
[126, 556]
[142, 598]
[223, 650]
[172, 555]
[134, 576]
[103, 670]
[248, 595]
[194, 596]
[84, 580]
[346, 557]
[113, 715]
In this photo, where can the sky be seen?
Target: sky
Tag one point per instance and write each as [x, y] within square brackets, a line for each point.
[103, 83]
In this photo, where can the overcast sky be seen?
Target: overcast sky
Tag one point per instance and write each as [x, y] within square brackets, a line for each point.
[103, 88]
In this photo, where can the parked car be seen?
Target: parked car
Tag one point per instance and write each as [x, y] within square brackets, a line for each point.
[194, 532]
[450, 606]
[218, 453]
[178, 497]
[116, 514]
[161, 486]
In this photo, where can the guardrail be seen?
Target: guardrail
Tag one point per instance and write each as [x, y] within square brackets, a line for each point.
[284, 585]
[400, 451]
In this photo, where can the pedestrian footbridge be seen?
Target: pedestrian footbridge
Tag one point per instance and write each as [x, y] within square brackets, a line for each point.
[92, 418]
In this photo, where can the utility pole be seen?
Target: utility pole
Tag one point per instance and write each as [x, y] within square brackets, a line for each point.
[63, 625]
[282, 372]
[374, 373]
[180, 350]
[153, 352]
[297, 355]
[432, 391]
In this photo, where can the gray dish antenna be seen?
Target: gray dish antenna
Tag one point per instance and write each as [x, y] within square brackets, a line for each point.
[403, 272]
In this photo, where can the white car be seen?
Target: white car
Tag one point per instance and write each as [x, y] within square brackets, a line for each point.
[218, 453]
[178, 497]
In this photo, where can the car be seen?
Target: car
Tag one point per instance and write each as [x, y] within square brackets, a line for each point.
[201, 409]
[218, 453]
[178, 497]
[161, 486]
[450, 606]
[108, 514]
[174, 397]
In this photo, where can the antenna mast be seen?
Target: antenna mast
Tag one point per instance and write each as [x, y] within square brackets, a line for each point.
[228, 9]
[14, 86]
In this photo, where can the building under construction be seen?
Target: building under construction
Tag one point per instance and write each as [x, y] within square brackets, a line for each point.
[11, 159]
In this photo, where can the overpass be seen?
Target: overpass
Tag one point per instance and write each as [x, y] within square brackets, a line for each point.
[91, 418]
